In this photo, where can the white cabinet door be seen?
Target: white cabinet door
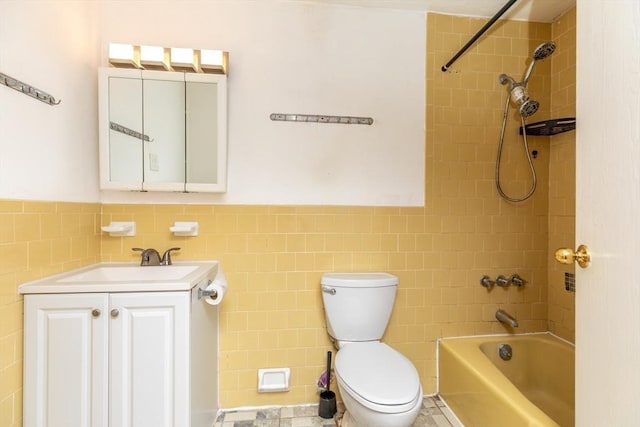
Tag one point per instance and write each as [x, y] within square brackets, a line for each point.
[149, 378]
[65, 362]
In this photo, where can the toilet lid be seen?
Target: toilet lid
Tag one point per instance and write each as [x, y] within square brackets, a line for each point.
[377, 373]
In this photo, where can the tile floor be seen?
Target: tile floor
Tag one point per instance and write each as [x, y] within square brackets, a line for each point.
[433, 414]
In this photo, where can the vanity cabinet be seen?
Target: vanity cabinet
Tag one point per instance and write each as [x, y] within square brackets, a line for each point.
[120, 345]
[162, 131]
[101, 359]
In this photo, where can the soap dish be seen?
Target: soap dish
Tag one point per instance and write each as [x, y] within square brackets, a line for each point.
[119, 228]
[185, 228]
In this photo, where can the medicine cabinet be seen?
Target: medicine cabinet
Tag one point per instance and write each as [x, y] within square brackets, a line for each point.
[162, 130]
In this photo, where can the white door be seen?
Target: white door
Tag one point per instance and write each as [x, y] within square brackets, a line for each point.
[149, 377]
[65, 361]
[608, 213]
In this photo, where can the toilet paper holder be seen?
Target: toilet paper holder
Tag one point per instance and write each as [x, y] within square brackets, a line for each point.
[207, 292]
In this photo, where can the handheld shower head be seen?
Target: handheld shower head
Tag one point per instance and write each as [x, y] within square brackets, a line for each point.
[544, 50]
[541, 52]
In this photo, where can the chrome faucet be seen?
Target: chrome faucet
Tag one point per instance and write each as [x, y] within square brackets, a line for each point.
[148, 257]
[151, 256]
[506, 318]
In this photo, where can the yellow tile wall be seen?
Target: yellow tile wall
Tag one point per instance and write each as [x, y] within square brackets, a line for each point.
[474, 231]
[562, 169]
[36, 239]
[274, 255]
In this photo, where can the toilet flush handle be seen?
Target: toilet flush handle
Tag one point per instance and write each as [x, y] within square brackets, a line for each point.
[329, 290]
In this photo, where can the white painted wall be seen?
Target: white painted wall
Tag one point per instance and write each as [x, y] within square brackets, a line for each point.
[49, 152]
[298, 57]
[285, 56]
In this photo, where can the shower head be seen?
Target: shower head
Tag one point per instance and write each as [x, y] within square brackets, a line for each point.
[544, 50]
[541, 52]
[519, 96]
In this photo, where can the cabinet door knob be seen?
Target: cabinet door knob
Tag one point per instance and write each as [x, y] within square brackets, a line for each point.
[115, 312]
[95, 312]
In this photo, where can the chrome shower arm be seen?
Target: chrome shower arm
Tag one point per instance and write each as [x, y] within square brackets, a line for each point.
[504, 79]
[527, 74]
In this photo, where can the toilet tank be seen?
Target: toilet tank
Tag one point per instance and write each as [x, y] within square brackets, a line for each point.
[358, 305]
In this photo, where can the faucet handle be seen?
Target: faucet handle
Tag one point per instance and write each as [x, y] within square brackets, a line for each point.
[487, 282]
[518, 281]
[166, 257]
[502, 281]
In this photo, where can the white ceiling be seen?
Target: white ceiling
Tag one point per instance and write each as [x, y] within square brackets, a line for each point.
[522, 10]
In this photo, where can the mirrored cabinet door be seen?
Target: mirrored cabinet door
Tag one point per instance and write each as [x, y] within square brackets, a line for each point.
[206, 121]
[162, 131]
[163, 121]
[124, 131]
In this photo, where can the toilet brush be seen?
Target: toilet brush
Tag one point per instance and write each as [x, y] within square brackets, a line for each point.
[327, 407]
[328, 371]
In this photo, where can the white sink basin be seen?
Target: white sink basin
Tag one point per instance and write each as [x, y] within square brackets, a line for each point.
[127, 274]
[125, 277]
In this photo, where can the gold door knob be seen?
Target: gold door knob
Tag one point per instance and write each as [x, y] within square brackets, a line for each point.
[568, 256]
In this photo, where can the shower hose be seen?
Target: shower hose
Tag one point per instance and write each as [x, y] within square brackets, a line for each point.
[526, 150]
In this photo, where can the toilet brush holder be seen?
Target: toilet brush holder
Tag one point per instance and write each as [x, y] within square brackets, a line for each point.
[328, 407]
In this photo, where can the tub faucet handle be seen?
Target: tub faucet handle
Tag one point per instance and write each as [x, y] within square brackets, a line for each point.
[518, 281]
[502, 281]
[487, 282]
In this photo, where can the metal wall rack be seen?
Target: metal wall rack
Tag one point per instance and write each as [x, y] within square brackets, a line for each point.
[27, 89]
[315, 118]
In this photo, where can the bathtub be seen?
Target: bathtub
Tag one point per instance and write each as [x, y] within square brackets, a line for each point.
[534, 388]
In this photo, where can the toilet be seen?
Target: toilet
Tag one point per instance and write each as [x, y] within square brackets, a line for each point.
[379, 386]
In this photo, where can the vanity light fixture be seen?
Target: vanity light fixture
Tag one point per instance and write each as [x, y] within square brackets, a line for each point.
[155, 57]
[124, 55]
[214, 61]
[184, 59]
[169, 59]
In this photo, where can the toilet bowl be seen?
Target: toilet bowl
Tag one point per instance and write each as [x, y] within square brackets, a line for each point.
[379, 386]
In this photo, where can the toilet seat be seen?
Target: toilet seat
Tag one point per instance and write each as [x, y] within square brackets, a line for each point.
[378, 376]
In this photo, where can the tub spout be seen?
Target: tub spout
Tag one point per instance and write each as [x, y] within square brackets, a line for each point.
[505, 317]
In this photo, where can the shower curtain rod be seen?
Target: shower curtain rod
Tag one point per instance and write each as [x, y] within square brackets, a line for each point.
[478, 34]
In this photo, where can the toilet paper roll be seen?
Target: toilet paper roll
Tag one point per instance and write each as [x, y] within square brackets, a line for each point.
[219, 285]
[220, 289]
